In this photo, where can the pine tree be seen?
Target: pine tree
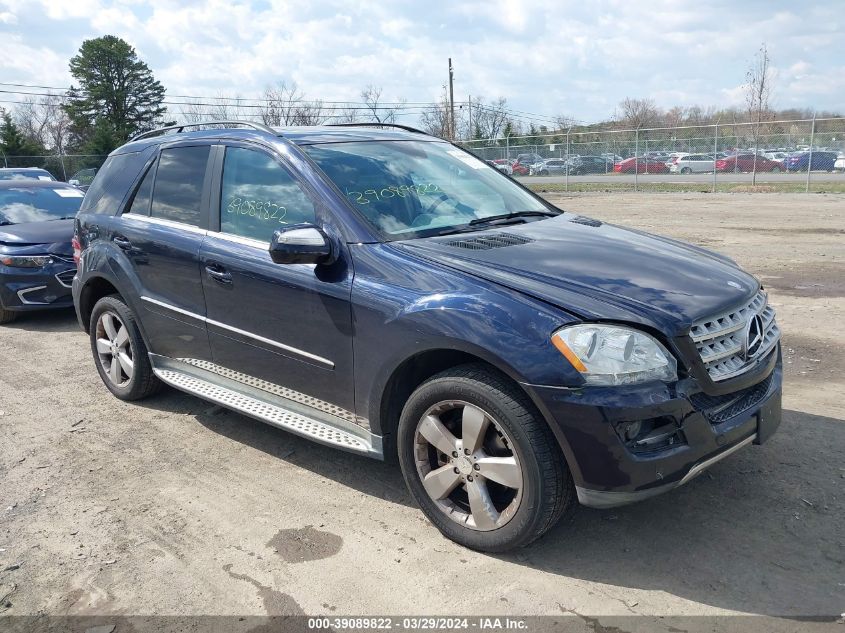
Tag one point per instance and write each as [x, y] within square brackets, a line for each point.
[116, 98]
[18, 151]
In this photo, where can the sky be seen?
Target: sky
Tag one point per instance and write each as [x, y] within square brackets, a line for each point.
[547, 57]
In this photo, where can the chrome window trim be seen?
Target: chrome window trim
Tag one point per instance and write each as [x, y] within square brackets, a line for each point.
[238, 239]
[293, 350]
[164, 222]
[26, 302]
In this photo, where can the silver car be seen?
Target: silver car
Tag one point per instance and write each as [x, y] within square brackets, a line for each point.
[693, 164]
[549, 167]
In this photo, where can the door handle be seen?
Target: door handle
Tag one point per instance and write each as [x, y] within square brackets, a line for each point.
[122, 242]
[217, 273]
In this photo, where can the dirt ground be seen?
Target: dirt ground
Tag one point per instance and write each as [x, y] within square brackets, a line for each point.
[174, 506]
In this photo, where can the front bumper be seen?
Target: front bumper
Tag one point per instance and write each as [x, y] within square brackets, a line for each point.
[610, 471]
[25, 289]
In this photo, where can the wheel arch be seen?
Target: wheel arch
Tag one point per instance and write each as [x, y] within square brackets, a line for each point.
[94, 288]
[411, 372]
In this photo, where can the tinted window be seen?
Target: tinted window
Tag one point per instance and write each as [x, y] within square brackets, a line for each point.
[141, 202]
[259, 195]
[36, 204]
[178, 185]
[111, 183]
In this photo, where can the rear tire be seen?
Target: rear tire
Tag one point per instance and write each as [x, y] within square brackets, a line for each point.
[686, 170]
[480, 461]
[7, 316]
[775, 170]
[120, 354]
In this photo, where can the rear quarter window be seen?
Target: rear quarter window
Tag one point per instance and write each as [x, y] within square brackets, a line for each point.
[112, 183]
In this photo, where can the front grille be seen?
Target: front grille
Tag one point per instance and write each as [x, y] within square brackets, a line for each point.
[486, 242]
[66, 278]
[720, 408]
[721, 340]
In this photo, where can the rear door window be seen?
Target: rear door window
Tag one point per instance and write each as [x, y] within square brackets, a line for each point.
[177, 194]
[143, 195]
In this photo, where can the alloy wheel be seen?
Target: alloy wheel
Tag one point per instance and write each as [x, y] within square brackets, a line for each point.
[114, 349]
[468, 465]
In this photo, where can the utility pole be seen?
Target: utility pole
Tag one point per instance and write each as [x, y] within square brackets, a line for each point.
[469, 116]
[451, 101]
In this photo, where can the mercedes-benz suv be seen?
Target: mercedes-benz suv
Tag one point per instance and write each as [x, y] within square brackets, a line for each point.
[384, 292]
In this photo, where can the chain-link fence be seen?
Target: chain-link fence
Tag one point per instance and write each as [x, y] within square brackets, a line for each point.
[798, 155]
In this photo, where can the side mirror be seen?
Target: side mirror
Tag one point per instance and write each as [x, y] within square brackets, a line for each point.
[301, 244]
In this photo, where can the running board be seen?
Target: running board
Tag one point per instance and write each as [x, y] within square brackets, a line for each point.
[268, 408]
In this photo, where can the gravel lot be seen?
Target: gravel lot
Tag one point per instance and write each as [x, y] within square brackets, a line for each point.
[173, 506]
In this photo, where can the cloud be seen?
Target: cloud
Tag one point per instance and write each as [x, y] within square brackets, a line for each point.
[546, 56]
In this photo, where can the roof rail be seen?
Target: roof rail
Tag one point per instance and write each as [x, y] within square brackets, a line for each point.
[256, 126]
[407, 128]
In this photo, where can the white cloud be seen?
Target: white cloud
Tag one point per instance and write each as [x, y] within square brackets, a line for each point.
[545, 56]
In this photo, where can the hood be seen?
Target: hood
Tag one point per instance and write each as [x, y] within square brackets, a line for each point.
[598, 271]
[29, 233]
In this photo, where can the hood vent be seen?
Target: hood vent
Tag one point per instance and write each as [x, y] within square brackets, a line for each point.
[486, 242]
[583, 219]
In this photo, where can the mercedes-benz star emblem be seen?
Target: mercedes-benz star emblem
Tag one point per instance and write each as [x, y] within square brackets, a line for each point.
[753, 336]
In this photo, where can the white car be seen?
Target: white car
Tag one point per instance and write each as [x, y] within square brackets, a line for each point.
[502, 165]
[839, 164]
[673, 157]
[778, 156]
[693, 164]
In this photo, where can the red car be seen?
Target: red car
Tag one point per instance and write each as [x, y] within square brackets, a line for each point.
[643, 166]
[745, 162]
[520, 169]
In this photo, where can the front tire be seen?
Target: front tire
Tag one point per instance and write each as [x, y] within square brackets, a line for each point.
[7, 316]
[120, 354]
[479, 460]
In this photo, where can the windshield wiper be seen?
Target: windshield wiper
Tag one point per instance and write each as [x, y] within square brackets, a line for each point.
[512, 216]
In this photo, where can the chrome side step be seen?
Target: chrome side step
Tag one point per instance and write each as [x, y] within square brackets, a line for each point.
[266, 407]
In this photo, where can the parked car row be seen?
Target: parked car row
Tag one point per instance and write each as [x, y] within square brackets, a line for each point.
[657, 162]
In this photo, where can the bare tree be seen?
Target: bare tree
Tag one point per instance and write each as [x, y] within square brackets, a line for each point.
[491, 118]
[639, 113]
[285, 104]
[378, 110]
[435, 118]
[217, 109]
[758, 87]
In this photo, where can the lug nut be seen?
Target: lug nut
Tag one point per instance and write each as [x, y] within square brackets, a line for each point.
[454, 453]
[467, 451]
[469, 477]
[477, 467]
[457, 472]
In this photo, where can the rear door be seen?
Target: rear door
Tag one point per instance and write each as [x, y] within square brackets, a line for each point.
[160, 233]
[285, 328]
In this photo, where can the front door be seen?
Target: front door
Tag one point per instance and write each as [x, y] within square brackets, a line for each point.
[285, 328]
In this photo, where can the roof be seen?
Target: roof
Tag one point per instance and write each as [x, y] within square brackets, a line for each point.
[301, 135]
[23, 169]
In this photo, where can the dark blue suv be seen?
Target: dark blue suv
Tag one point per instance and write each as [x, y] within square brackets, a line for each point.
[385, 292]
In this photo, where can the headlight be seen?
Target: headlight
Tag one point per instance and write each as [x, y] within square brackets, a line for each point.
[25, 261]
[612, 355]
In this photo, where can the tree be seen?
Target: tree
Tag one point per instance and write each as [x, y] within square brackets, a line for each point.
[639, 113]
[758, 88]
[117, 94]
[371, 96]
[18, 151]
[435, 118]
[285, 104]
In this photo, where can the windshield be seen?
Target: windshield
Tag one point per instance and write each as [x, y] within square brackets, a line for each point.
[409, 189]
[31, 204]
[30, 174]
